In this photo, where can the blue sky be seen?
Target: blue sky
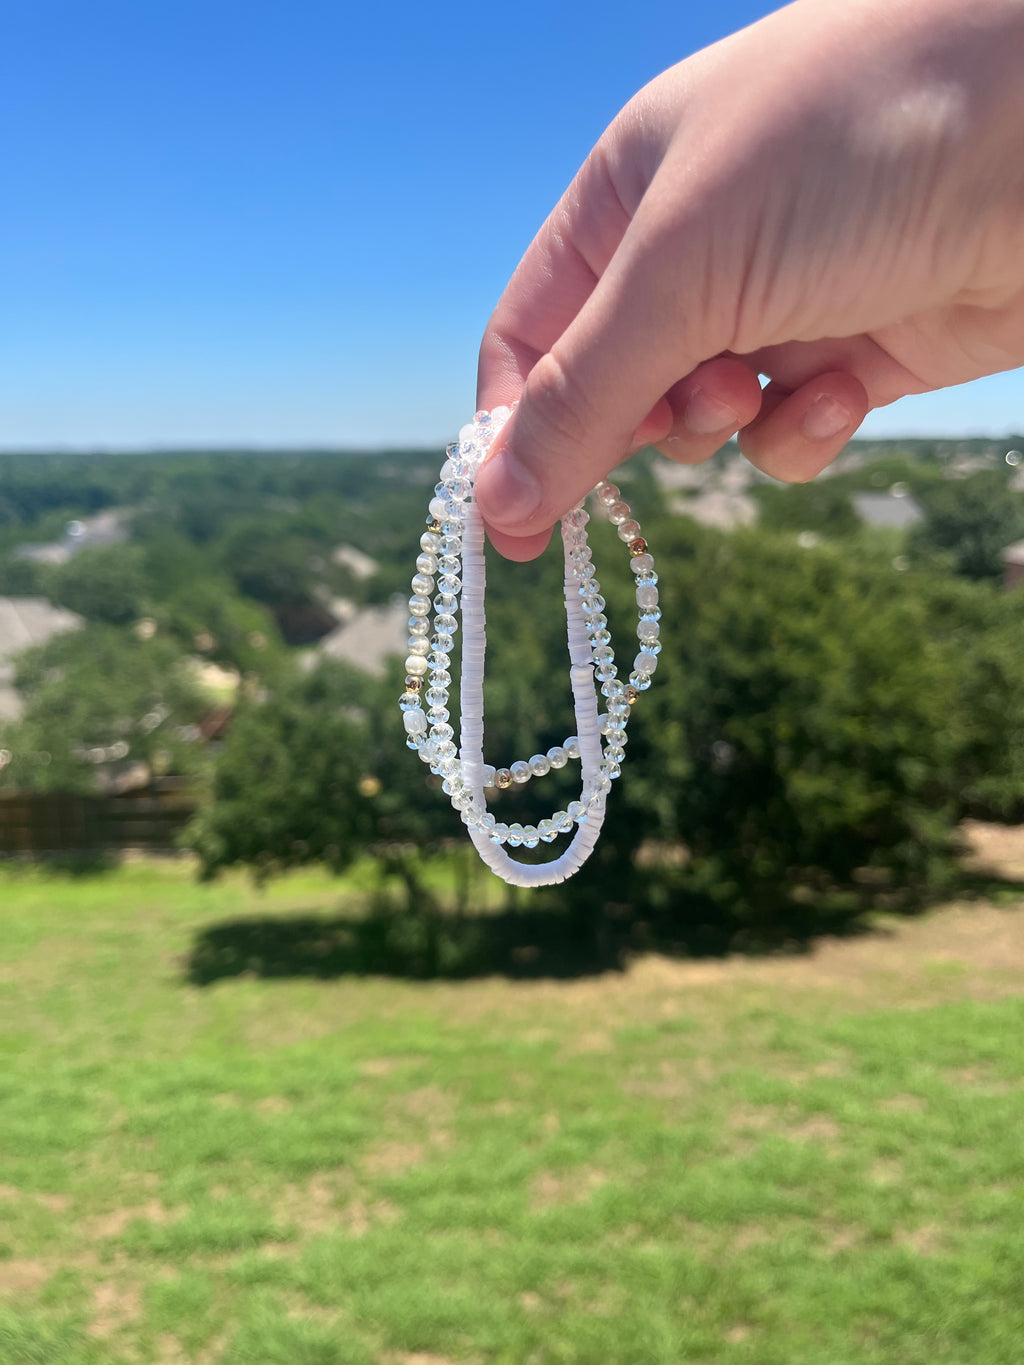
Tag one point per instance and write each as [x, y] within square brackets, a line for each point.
[287, 222]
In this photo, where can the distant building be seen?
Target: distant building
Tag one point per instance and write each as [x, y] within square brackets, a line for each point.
[891, 511]
[718, 509]
[26, 621]
[105, 528]
[369, 638]
[359, 564]
[1013, 564]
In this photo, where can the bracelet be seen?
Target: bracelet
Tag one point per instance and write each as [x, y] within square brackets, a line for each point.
[452, 561]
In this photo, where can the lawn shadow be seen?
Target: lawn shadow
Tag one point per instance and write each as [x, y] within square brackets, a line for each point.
[385, 942]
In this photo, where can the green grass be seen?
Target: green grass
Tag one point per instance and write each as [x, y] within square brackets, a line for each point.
[812, 1161]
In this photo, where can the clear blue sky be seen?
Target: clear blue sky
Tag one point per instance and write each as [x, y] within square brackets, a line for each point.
[281, 222]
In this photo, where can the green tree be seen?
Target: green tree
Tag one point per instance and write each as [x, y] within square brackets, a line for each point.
[103, 584]
[968, 522]
[99, 697]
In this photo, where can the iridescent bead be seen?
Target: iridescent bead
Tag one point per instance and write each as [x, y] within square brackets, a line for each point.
[540, 764]
[503, 779]
[641, 564]
[488, 778]
[628, 531]
[520, 772]
[419, 606]
[557, 757]
[415, 666]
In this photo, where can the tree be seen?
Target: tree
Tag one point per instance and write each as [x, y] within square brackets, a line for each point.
[968, 521]
[97, 698]
[103, 584]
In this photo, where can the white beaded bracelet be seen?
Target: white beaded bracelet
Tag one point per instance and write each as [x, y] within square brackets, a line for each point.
[453, 549]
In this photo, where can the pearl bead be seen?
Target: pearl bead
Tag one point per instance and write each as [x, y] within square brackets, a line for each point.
[618, 512]
[608, 494]
[572, 746]
[426, 563]
[418, 646]
[540, 764]
[416, 666]
[557, 757]
[520, 771]
[629, 530]
[419, 606]
[430, 542]
[422, 584]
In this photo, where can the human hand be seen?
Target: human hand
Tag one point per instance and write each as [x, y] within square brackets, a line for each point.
[833, 198]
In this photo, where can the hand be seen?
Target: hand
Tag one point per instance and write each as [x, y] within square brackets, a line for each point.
[833, 198]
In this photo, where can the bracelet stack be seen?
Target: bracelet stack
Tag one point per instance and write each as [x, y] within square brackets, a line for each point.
[449, 572]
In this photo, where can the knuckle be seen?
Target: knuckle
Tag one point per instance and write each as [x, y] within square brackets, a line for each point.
[559, 410]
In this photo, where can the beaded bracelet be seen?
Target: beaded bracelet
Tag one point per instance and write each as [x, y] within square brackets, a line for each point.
[453, 549]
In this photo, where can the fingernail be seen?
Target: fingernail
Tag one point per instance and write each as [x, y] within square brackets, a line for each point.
[824, 418]
[506, 490]
[704, 415]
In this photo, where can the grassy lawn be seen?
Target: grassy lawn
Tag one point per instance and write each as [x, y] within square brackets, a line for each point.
[788, 1161]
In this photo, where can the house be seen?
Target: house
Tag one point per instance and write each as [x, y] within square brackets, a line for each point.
[26, 621]
[895, 510]
[105, 528]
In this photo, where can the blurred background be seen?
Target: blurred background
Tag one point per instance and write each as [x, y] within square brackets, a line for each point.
[288, 1076]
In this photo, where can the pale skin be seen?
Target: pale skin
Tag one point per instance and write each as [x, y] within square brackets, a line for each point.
[832, 198]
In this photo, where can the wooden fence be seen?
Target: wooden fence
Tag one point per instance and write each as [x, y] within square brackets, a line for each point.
[39, 826]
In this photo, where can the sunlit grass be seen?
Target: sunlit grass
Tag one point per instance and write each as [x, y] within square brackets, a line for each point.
[749, 1163]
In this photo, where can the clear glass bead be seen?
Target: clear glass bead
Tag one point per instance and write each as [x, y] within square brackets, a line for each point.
[451, 526]
[604, 672]
[451, 465]
[445, 624]
[593, 603]
[576, 518]
[446, 749]
[648, 579]
[642, 564]
[515, 835]
[442, 642]
[437, 697]
[438, 659]
[540, 765]
[641, 681]
[547, 831]
[614, 753]
[409, 701]
[557, 756]
[646, 596]
[419, 606]
[617, 738]
[448, 564]
[444, 604]
[440, 677]
[520, 771]
[438, 715]
[450, 583]
[441, 730]
[648, 631]
[595, 622]
[604, 654]
[651, 647]
[618, 512]
[531, 836]
[499, 834]
[576, 812]
[562, 821]
[428, 753]
[450, 545]
[651, 613]
[459, 489]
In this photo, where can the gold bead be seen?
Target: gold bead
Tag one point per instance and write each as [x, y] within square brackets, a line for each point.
[503, 778]
[434, 525]
[631, 694]
[413, 684]
[638, 546]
